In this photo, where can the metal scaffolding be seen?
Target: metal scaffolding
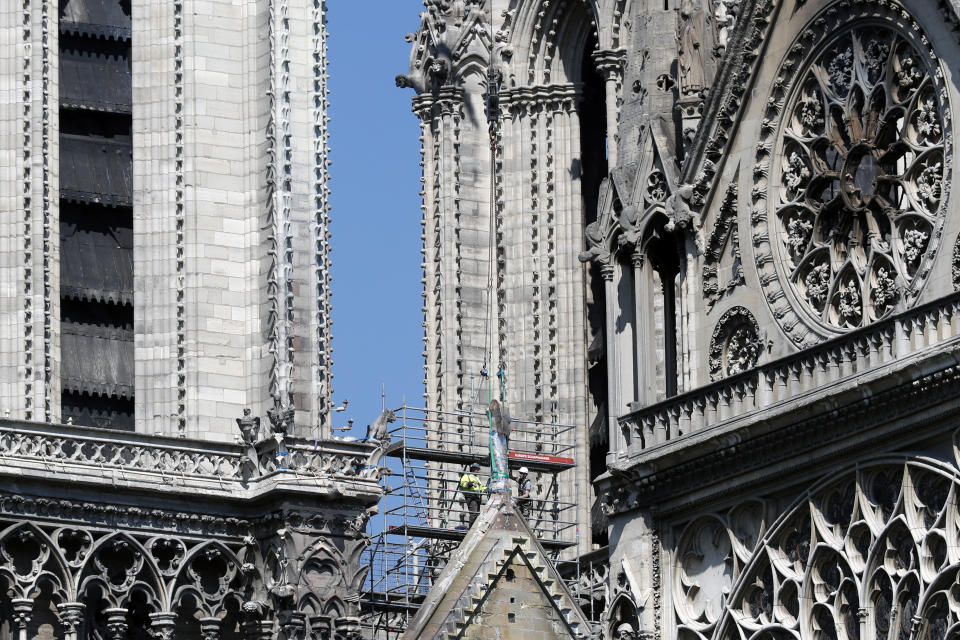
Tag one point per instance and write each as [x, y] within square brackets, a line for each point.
[424, 516]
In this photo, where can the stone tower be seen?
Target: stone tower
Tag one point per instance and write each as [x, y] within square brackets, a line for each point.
[166, 214]
[502, 284]
[165, 450]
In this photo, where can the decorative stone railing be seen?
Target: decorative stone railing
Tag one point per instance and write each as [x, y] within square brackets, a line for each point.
[66, 445]
[925, 327]
[69, 444]
[325, 457]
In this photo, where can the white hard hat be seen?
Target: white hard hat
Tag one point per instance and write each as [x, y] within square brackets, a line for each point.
[524, 470]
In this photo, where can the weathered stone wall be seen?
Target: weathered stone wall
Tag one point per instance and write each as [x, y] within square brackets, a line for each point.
[517, 609]
[238, 225]
[28, 140]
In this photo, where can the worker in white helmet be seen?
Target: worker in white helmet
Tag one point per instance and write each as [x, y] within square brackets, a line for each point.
[524, 487]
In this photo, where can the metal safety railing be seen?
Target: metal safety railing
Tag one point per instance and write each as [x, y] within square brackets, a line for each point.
[466, 433]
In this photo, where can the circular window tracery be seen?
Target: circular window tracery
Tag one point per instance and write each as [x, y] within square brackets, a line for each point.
[858, 178]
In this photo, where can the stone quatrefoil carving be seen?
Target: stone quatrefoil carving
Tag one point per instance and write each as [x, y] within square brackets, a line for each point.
[873, 553]
[857, 185]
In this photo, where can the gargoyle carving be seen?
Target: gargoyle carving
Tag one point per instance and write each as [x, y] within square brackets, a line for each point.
[249, 427]
[596, 249]
[678, 209]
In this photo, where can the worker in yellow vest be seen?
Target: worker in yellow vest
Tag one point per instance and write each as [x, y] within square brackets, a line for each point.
[472, 489]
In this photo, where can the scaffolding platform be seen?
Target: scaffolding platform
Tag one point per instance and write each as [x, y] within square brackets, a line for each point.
[460, 534]
[533, 461]
[424, 516]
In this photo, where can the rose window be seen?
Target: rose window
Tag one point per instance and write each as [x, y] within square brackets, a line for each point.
[860, 176]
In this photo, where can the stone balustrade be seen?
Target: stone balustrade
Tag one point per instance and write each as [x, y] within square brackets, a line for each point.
[924, 328]
[326, 457]
[71, 445]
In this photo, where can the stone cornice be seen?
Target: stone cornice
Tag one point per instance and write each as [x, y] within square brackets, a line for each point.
[551, 96]
[444, 99]
[897, 338]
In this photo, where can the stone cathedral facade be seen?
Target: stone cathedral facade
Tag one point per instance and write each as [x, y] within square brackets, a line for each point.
[167, 466]
[760, 347]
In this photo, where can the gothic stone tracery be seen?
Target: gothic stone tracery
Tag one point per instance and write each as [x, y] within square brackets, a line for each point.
[869, 553]
[857, 190]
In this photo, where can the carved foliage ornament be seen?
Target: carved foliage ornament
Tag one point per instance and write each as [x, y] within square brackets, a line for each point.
[956, 266]
[875, 550]
[736, 345]
[856, 194]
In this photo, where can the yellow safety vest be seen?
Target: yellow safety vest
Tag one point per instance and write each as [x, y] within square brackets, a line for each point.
[471, 483]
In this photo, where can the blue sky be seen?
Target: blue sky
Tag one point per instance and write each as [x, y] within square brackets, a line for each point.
[377, 332]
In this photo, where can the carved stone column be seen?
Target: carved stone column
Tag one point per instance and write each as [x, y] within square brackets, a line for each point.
[644, 311]
[347, 628]
[293, 625]
[610, 64]
[71, 617]
[210, 628]
[116, 623]
[321, 628]
[22, 614]
[258, 629]
[163, 625]
[608, 271]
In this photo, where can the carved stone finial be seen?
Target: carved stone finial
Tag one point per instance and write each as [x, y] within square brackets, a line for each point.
[249, 427]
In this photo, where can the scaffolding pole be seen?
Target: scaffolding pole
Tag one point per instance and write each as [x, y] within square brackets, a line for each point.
[424, 516]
